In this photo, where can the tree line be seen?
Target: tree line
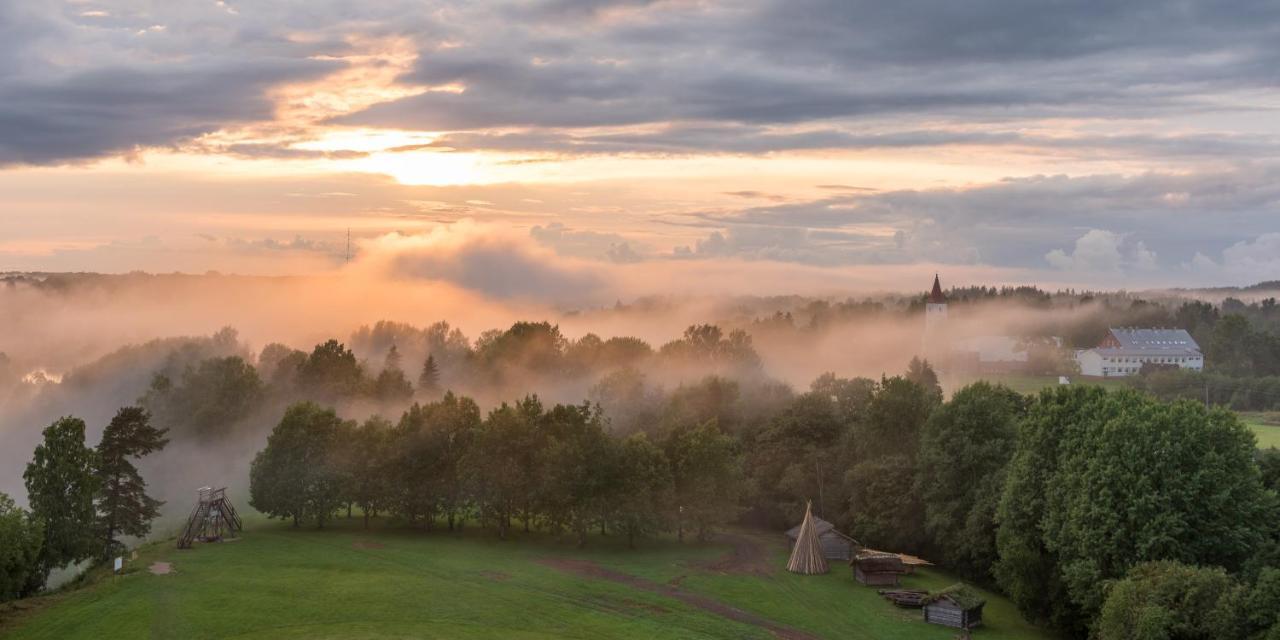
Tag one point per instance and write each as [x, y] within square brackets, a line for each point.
[83, 500]
[1061, 500]
[205, 397]
[521, 466]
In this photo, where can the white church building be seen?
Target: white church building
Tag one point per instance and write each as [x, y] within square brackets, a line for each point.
[1124, 351]
[936, 347]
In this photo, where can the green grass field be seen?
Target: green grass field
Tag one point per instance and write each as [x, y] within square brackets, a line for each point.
[1024, 383]
[1266, 426]
[346, 583]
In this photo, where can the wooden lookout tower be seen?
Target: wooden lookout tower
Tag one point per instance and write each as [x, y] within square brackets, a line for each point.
[211, 519]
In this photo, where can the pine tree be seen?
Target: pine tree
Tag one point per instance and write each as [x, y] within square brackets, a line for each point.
[60, 488]
[430, 378]
[393, 359]
[122, 503]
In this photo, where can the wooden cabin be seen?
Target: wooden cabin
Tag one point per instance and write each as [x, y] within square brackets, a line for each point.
[835, 545]
[956, 606]
[878, 569]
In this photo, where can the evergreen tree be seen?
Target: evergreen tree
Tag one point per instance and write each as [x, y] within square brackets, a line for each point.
[429, 381]
[122, 503]
[393, 359]
[60, 488]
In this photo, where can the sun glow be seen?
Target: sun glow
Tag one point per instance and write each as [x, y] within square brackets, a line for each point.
[366, 140]
[434, 168]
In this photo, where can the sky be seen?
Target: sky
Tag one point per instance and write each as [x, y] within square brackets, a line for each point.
[755, 146]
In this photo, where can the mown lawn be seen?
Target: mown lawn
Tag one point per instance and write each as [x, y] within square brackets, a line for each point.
[347, 583]
[1266, 426]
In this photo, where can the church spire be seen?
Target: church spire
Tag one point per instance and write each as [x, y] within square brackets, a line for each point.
[935, 296]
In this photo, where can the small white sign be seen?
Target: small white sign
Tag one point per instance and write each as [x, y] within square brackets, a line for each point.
[119, 563]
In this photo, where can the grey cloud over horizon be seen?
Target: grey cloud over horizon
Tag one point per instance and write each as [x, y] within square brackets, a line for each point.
[741, 77]
[748, 77]
[76, 87]
[1103, 223]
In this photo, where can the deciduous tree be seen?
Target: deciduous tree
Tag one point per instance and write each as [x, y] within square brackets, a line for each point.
[1104, 481]
[965, 446]
[639, 506]
[1163, 600]
[331, 372]
[297, 475]
[60, 489]
[706, 473]
[21, 536]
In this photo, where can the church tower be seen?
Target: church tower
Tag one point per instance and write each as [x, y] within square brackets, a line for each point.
[935, 320]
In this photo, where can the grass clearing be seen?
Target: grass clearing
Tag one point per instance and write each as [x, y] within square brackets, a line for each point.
[1025, 383]
[389, 583]
[1266, 426]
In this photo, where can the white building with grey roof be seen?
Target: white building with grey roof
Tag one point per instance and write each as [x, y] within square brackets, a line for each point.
[1124, 351]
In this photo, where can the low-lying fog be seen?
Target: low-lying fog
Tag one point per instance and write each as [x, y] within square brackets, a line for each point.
[85, 345]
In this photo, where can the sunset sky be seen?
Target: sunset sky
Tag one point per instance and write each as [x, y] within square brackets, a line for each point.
[1115, 144]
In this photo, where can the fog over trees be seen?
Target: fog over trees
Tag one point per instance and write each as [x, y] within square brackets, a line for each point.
[1084, 505]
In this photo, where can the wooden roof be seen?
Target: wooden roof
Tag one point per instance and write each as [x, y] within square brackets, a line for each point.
[907, 559]
[959, 594]
[879, 563]
[823, 527]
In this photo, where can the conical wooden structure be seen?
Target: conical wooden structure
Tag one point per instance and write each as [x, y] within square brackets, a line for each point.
[807, 557]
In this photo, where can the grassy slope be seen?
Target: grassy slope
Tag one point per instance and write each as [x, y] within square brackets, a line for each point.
[1266, 426]
[278, 583]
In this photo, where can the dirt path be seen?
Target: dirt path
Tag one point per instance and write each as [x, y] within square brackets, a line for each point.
[748, 556]
[590, 569]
